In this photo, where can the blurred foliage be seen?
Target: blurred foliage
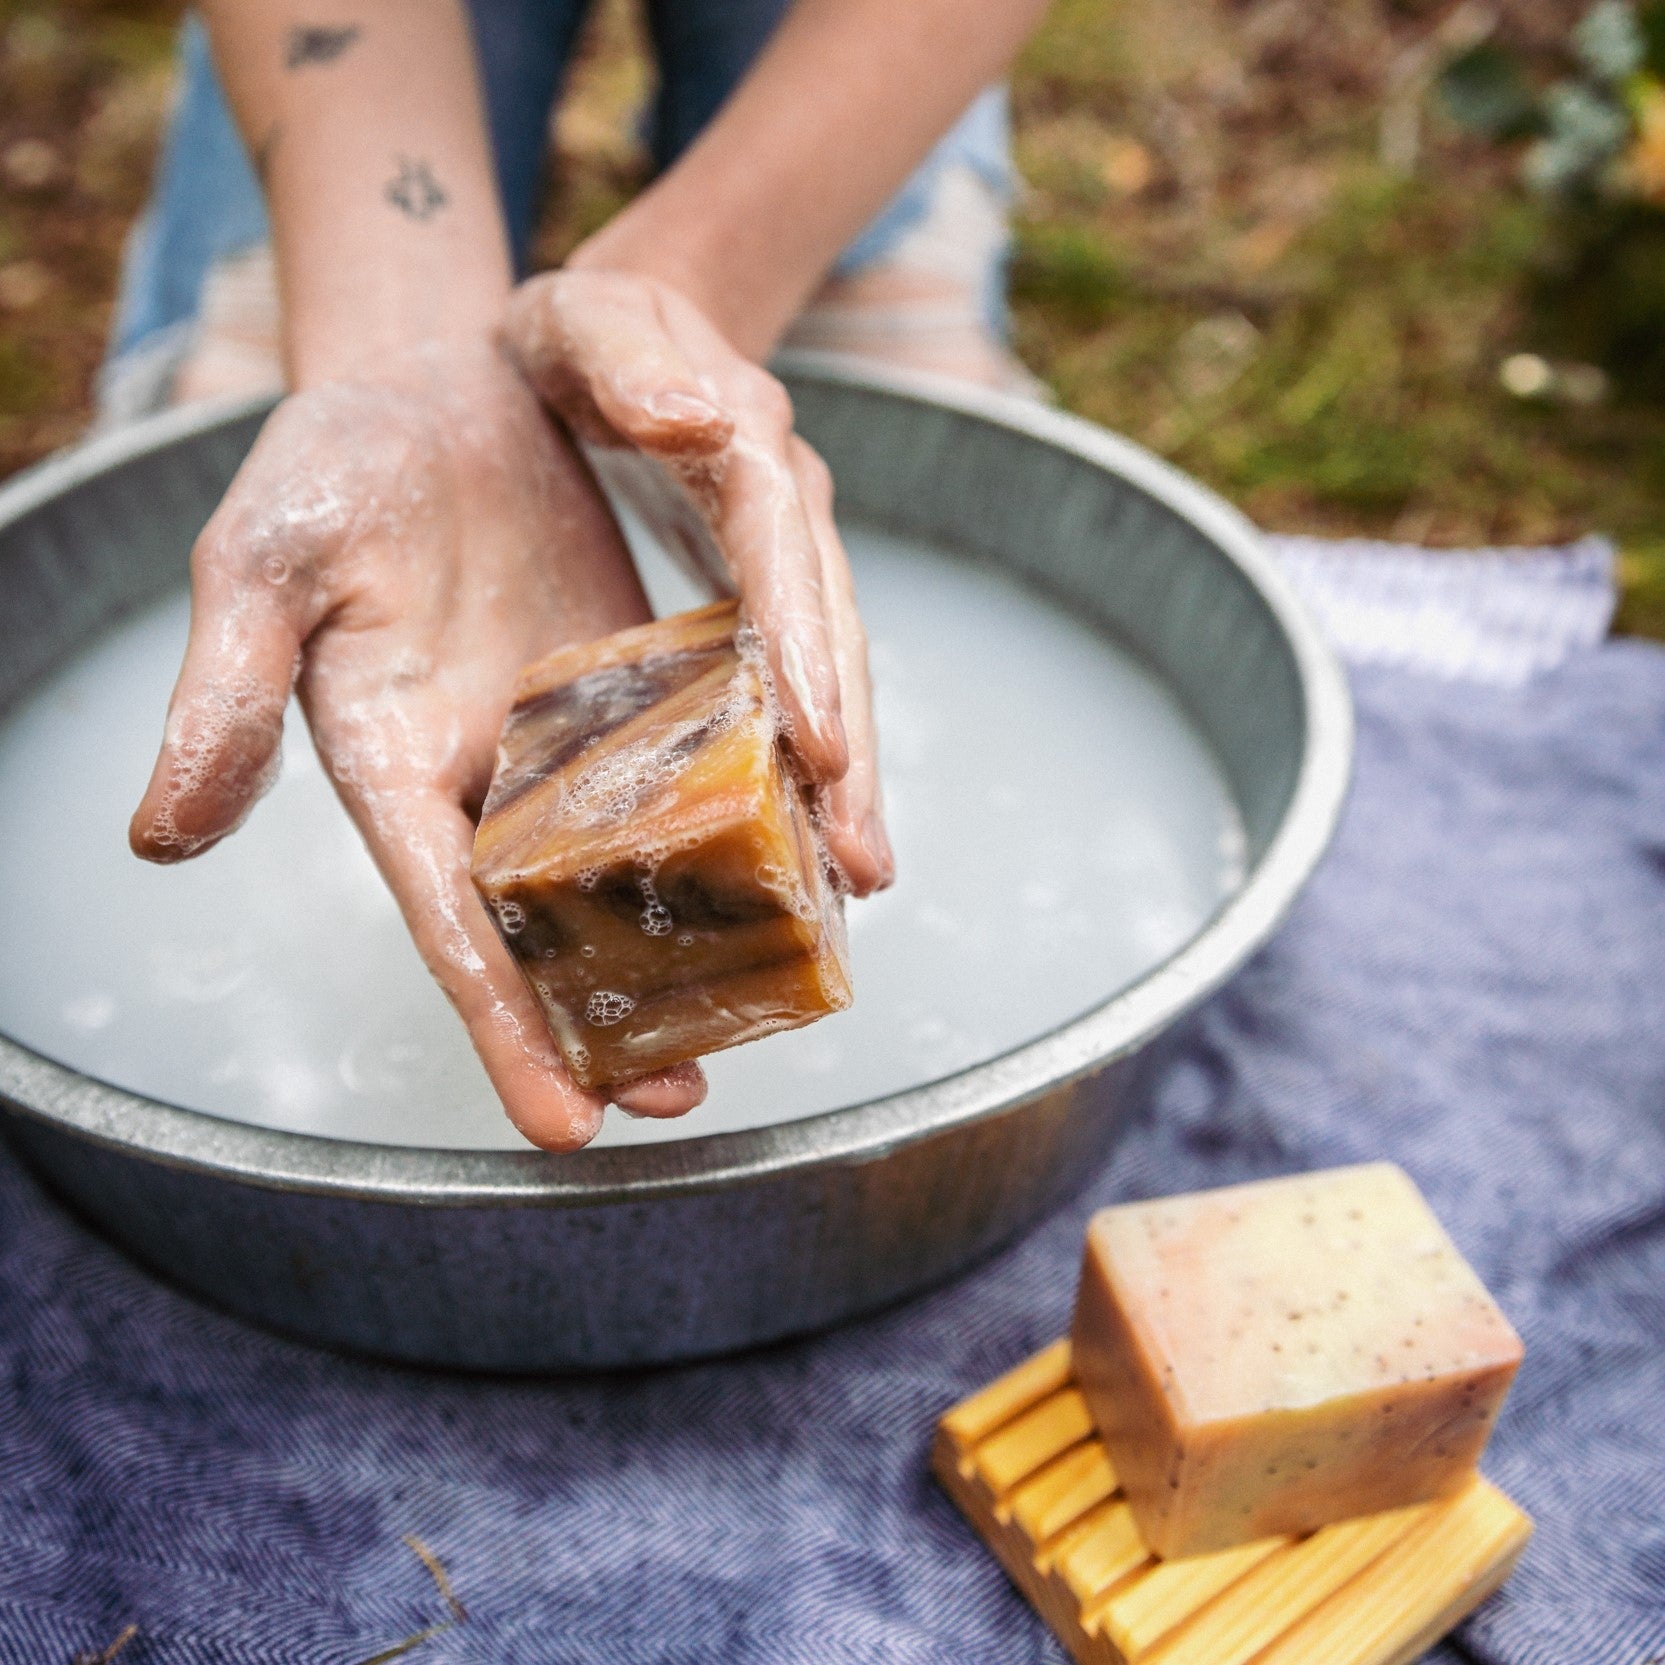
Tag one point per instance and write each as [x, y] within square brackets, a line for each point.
[1486, 90]
[1599, 293]
[1305, 293]
[1590, 124]
[1642, 591]
[83, 89]
[1255, 237]
[1597, 152]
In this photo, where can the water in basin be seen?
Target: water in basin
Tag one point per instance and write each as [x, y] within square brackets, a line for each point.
[1059, 827]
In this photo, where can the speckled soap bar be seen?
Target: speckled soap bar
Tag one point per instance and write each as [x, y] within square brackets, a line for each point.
[648, 857]
[1268, 1358]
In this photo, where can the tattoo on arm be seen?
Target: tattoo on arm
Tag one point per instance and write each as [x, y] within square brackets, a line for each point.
[414, 191]
[318, 43]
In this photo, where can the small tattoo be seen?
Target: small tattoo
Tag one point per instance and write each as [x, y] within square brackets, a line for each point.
[267, 148]
[415, 192]
[318, 43]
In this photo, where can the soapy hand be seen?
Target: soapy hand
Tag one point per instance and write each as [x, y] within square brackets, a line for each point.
[395, 548]
[637, 371]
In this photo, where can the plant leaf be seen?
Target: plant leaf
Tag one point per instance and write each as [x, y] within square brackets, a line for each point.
[1650, 20]
[1609, 42]
[1485, 91]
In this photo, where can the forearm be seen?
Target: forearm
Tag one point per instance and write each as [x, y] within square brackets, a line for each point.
[844, 102]
[368, 134]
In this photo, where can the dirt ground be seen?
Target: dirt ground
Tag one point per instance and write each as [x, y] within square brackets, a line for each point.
[1248, 238]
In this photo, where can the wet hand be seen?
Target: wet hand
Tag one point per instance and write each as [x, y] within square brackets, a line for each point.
[394, 549]
[635, 369]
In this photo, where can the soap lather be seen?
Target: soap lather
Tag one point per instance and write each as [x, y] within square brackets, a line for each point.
[649, 857]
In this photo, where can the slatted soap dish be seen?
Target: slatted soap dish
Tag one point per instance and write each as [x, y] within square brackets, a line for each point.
[1024, 1464]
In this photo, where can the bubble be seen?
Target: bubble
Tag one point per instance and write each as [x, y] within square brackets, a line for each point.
[511, 916]
[685, 940]
[241, 707]
[605, 1008]
[588, 950]
[656, 917]
[587, 877]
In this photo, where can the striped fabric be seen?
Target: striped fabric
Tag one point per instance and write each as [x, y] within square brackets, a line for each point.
[1472, 986]
[1499, 616]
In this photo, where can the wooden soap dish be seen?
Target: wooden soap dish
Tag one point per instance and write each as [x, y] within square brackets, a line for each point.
[1023, 1463]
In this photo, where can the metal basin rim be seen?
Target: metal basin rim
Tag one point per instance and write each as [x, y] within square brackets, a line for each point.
[414, 1176]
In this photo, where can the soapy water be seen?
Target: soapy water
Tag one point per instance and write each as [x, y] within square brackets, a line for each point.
[1059, 826]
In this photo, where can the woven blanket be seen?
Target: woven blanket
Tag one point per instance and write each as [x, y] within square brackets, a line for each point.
[1471, 986]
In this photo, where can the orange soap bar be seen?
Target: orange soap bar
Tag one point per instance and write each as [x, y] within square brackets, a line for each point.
[649, 858]
[1269, 1358]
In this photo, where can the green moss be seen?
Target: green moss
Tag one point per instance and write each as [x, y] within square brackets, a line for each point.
[1070, 271]
[1079, 48]
[1642, 590]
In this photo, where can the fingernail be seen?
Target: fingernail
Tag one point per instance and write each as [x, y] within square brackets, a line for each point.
[682, 408]
[876, 842]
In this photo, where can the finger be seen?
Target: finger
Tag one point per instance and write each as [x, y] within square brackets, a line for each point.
[597, 347]
[750, 498]
[421, 841]
[668, 1092]
[222, 740]
[750, 494]
[628, 357]
[855, 827]
[766, 534]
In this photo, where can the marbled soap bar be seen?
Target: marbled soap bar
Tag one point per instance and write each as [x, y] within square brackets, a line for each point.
[649, 858]
[1268, 1358]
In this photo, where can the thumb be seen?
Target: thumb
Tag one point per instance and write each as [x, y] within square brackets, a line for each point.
[220, 746]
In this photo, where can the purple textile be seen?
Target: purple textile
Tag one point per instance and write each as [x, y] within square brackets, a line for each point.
[1473, 986]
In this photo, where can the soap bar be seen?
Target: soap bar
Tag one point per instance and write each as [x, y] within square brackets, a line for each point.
[649, 858]
[1269, 1358]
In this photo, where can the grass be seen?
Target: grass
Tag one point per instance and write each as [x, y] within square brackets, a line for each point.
[1316, 331]
[1226, 249]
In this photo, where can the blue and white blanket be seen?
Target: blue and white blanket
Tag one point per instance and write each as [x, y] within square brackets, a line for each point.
[1474, 986]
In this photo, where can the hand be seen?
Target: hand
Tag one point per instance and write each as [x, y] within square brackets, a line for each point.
[629, 362]
[395, 548]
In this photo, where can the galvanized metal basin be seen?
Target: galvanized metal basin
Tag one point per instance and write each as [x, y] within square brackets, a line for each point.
[509, 1260]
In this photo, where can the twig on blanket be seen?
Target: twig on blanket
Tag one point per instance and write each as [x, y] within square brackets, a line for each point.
[399, 1649]
[106, 1654]
[437, 1572]
[442, 1582]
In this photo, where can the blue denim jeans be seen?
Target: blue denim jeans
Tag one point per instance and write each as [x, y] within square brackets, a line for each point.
[206, 203]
